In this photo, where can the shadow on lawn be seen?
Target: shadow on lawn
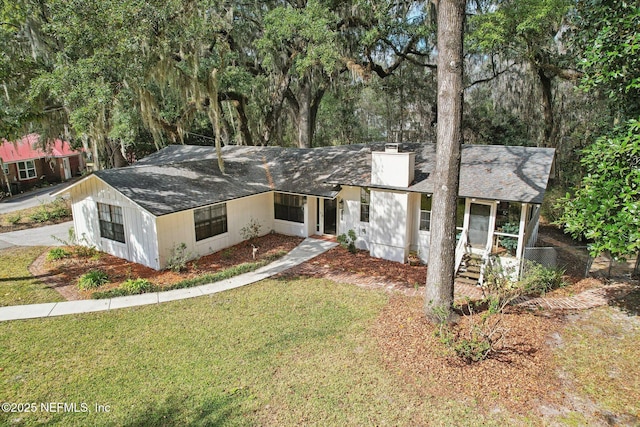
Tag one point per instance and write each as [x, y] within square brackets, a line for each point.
[628, 302]
[176, 411]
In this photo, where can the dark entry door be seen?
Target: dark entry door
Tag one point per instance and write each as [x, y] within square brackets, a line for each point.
[330, 216]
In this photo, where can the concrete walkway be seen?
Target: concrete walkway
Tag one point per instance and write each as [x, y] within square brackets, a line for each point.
[306, 250]
[39, 236]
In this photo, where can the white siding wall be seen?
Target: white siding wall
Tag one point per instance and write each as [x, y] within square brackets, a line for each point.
[350, 219]
[139, 225]
[390, 225]
[419, 239]
[179, 227]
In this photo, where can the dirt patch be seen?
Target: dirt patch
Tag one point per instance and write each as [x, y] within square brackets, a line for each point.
[518, 378]
[62, 275]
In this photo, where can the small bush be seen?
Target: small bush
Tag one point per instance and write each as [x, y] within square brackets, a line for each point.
[179, 257]
[251, 230]
[13, 219]
[137, 286]
[538, 279]
[57, 253]
[348, 241]
[93, 279]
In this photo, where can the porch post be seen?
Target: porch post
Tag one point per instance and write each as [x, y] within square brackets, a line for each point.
[523, 224]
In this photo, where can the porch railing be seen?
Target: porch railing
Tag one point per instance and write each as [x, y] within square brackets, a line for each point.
[461, 247]
[531, 232]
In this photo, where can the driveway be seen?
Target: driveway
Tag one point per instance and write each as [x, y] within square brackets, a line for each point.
[30, 199]
[41, 236]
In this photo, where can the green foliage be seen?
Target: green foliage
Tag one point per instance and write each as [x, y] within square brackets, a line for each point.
[609, 38]
[13, 219]
[92, 279]
[251, 230]
[137, 286]
[538, 279]
[348, 241]
[178, 258]
[552, 208]
[606, 208]
[56, 210]
[510, 243]
[57, 254]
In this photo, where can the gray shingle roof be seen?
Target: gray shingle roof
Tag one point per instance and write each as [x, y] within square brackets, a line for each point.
[185, 177]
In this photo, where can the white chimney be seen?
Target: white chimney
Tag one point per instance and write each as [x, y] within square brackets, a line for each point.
[392, 167]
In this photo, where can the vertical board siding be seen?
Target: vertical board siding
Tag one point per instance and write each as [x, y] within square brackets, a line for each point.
[177, 228]
[139, 225]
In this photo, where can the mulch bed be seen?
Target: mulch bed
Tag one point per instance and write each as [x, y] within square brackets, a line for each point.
[62, 275]
[340, 261]
[519, 377]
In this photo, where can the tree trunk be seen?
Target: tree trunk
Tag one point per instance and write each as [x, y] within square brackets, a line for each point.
[547, 108]
[303, 113]
[441, 270]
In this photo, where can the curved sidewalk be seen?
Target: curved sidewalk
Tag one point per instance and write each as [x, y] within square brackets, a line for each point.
[305, 251]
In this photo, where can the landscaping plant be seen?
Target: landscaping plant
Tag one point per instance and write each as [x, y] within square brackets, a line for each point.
[93, 279]
[348, 241]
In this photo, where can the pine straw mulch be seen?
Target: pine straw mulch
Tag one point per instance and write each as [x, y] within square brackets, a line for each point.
[338, 260]
[519, 378]
[62, 275]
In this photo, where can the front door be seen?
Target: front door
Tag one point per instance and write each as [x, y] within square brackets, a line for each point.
[330, 216]
[67, 168]
[479, 216]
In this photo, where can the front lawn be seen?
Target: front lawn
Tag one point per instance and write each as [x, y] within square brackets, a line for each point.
[17, 285]
[279, 352]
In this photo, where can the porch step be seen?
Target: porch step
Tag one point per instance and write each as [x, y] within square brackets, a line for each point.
[466, 281]
[469, 272]
[470, 275]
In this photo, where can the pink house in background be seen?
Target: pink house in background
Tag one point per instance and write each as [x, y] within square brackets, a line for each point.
[25, 164]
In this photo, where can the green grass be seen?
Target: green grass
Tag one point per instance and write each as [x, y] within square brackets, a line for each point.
[17, 286]
[275, 353]
[601, 352]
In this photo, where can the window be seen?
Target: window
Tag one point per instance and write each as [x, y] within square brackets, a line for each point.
[210, 221]
[508, 217]
[289, 207]
[460, 212]
[111, 222]
[27, 170]
[425, 212]
[5, 168]
[365, 202]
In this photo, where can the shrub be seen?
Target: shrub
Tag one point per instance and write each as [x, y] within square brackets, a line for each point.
[348, 241]
[137, 286]
[57, 253]
[251, 230]
[179, 257]
[538, 279]
[13, 219]
[57, 209]
[93, 279]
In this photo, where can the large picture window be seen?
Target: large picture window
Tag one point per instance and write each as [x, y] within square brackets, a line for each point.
[111, 222]
[365, 201]
[289, 207]
[425, 212]
[27, 169]
[210, 221]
